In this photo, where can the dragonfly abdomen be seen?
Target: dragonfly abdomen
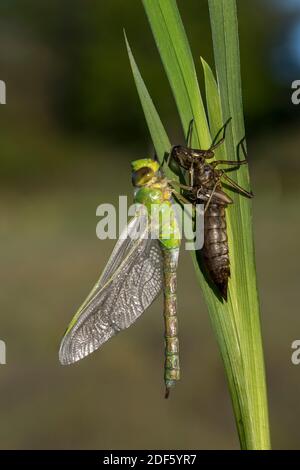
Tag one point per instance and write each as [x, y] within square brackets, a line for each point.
[172, 367]
[215, 250]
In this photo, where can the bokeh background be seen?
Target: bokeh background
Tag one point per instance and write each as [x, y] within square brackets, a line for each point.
[70, 128]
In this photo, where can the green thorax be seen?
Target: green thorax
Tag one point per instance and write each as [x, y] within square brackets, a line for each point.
[156, 197]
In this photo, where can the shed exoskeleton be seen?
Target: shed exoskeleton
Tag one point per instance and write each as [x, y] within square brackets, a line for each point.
[205, 186]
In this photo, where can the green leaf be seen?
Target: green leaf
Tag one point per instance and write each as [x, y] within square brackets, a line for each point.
[176, 56]
[213, 101]
[158, 134]
[224, 24]
[235, 323]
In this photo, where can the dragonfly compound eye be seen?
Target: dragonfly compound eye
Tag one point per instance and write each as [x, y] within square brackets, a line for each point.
[142, 176]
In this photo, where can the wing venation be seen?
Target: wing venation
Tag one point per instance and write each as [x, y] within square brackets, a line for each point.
[130, 282]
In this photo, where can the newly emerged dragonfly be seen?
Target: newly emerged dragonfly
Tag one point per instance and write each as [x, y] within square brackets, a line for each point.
[205, 186]
[138, 270]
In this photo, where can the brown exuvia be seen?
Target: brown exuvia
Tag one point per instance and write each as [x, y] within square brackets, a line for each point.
[205, 186]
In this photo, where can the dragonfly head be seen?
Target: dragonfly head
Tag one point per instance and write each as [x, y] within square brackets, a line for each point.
[144, 171]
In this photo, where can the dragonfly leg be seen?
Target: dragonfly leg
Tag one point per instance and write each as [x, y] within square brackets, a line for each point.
[212, 194]
[229, 162]
[214, 145]
[182, 186]
[181, 198]
[233, 184]
[169, 158]
[242, 145]
[191, 176]
[190, 133]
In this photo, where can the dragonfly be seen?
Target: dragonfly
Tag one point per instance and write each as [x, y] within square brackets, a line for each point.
[139, 268]
[205, 185]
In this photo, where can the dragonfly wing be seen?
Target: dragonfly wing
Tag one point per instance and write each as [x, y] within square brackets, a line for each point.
[130, 282]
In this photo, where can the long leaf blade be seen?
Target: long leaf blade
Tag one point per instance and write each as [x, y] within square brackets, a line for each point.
[157, 131]
[236, 324]
[224, 23]
[175, 53]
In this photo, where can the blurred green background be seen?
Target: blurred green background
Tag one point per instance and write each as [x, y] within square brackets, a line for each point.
[70, 128]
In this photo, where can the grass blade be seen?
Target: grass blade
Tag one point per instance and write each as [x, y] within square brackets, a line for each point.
[157, 131]
[213, 101]
[236, 323]
[176, 56]
[227, 58]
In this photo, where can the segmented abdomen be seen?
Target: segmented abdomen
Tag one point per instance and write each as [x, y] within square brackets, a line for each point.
[172, 368]
[215, 250]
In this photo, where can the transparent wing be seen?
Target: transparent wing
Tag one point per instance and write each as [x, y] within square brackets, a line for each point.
[132, 279]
